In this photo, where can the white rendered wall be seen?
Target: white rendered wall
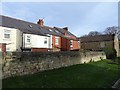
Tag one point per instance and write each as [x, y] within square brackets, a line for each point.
[37, 41]
[14, 42]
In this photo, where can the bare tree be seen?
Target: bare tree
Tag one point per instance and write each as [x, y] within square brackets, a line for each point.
[84, 35]
[93, 33]
[111, 30]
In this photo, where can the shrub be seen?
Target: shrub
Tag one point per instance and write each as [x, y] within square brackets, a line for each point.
[118, 60]
[110, 53]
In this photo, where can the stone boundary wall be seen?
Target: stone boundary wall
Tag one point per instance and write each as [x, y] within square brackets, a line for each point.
[23, 63]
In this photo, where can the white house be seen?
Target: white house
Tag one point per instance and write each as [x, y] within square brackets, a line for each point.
[31, 41]
[20, 35]
[11, 37]
[15, 40]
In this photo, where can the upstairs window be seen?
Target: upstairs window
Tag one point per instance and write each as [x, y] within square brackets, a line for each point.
[7, 34]
[28, 38]
[45, 41]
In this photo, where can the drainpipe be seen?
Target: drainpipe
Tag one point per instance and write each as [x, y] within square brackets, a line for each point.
[23, 41]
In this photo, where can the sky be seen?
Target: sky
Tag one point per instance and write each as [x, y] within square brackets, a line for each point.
[79, 17]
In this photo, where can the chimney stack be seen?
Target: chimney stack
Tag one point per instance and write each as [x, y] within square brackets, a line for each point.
[66, 28]
[40, 22]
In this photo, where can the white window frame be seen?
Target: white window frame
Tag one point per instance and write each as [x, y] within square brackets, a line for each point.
[45, 41]
[28, 39]
[71, 43]
[7, 34]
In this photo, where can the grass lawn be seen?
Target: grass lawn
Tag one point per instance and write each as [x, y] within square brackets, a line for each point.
[101, 74]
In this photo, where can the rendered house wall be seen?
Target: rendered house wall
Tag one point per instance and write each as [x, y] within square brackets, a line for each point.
[14, 42]
[36, 41]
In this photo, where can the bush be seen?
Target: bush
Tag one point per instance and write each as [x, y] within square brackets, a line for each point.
[118, 60]
[110, 53]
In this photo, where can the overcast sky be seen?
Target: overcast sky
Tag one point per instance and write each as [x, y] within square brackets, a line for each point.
[79, 17]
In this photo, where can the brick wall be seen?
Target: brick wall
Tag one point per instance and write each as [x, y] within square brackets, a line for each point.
[39, 49]
[3, 47]
[65, 44]
[56, 47]
[75, 45]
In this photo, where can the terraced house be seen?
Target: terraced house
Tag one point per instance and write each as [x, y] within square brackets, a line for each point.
[19, 35]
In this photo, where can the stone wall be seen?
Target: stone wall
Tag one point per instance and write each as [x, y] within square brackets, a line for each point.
[23, 63]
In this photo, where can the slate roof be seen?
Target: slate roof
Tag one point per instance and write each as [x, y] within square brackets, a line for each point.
[26, 27]
[64, 31]
[31, 28]
[53, 31]
[97, 38]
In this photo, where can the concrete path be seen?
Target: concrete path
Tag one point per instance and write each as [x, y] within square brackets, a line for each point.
[116, 84]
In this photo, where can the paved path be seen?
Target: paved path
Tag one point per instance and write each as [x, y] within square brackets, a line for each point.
[116, 84]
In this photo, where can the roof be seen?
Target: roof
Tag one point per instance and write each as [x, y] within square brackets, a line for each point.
[53, 31]
[62, 30]
[32, 28]
[26, 27]
[97, 38]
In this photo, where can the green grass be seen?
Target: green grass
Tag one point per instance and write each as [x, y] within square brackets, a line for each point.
[101, 74]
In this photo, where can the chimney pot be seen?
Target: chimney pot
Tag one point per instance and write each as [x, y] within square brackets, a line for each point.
[40, 22]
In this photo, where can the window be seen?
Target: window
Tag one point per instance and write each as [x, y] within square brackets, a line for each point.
[30, 26]
[56, 40]
[7, 33]
[28, 38]
[7, 49]
[45, 41]
[50, 30]
[71, 43]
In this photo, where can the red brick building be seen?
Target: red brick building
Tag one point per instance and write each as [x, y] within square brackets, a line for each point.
[28, 36]
[56, 40]
[68, 41]
[62, 39]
